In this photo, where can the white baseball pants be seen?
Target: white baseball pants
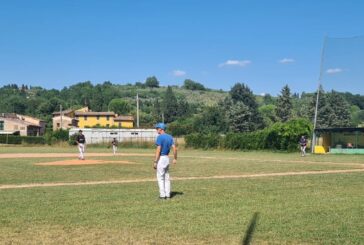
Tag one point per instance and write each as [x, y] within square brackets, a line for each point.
[164, 182]
[81, 149]
[114, 149]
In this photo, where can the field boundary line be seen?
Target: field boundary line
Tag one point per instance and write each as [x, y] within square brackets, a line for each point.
[278, 160]
[35, 185]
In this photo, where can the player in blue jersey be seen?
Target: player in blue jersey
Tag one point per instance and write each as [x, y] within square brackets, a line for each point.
[164, 144]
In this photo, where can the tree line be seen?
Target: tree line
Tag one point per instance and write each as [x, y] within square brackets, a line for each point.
[238, 110]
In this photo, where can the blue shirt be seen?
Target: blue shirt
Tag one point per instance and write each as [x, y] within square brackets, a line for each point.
[165, 141]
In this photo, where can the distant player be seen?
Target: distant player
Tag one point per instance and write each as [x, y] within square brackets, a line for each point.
[164, 144]
[81, 143]
[303, 144]
[114, 144]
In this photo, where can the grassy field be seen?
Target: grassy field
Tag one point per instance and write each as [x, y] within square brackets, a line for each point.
[300, 209]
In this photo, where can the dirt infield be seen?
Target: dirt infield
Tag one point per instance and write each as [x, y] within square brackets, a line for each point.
[81, 162]
[35, 185]
[60, 155]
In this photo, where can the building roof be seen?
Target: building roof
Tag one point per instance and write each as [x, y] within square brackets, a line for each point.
[63, 112]
[94, 113]
[19, 121]
[124, 118]
[64, 117]
[338, 130]
[8, 115]
[34, 118]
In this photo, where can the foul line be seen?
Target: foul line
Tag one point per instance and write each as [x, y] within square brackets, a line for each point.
[35, 185]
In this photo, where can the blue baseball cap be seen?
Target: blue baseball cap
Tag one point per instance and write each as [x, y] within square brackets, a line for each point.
[161, 126]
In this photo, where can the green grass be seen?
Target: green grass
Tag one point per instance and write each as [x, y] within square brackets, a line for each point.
[307, 209]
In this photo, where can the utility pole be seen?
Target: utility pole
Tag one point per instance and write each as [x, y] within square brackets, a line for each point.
[313, 142]
[137, 100]
[60, 113]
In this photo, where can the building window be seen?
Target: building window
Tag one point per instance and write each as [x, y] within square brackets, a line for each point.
[58, 125]
[1, 125]
[85, 118]
[16, 127]
[107, 118]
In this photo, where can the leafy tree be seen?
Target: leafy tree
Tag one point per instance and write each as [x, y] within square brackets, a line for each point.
[15, 103]
[357, 116]
[192, 85]
[212, 120]
[120, 106]
[284, 105]
[268, 114]
[304, 107]
[152, 82]
[268, 99]
[241, 94]
[170, 105]
[157, 111]
[183, 108]
[340, 111]
[240, 118]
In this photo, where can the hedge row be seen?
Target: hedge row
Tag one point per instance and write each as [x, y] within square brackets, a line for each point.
[280, 136]
[15, 139]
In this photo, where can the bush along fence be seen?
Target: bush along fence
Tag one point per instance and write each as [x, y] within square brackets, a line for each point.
[17, 140]
[280, 136]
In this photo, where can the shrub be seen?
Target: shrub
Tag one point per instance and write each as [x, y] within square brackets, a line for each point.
[16, 139]
[280, 136]
[204, 141]
[72, 139]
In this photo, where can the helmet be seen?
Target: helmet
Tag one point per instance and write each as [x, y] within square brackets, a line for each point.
[161, 126]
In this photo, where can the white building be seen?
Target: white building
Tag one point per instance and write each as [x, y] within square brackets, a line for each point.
[106, 135]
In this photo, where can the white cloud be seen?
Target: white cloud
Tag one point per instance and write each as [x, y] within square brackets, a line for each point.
[240, 63]
[178, 73]
[334, 70]
[286, 60]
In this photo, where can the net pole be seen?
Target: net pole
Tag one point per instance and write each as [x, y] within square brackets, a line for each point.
[318, 95]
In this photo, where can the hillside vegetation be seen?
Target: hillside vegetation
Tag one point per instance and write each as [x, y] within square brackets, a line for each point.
[189, 108]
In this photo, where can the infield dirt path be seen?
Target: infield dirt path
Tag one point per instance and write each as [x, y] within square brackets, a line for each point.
[60, 155]
[34, 185]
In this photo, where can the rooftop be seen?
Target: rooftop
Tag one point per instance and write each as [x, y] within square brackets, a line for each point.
[124, 118]
[94, 113]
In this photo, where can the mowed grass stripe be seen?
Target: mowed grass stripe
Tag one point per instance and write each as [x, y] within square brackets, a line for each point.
[306, 209]
[71, 155]
[35, 185]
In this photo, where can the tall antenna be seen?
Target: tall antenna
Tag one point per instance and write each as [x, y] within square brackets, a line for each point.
[60, 113]
[137, 100]
[318, 95]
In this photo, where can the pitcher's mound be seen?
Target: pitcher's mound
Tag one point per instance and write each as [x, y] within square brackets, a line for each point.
[82, 162]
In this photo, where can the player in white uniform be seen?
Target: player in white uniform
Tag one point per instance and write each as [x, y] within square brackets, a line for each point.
[164, 144]
[81, 143]
[114, 143]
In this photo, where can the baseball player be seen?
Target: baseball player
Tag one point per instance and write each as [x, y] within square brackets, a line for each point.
[303, 144]
[114, 144]
[81, 143]
[164, 144]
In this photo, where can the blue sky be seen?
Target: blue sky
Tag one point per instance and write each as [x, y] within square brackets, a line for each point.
[265, 44]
